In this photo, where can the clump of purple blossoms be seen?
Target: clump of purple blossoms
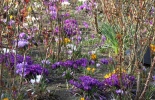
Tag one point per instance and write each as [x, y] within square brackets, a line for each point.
[87, 6]
[104, 61]
[86, 83]
[82, 62]
[53, 12]
[27, 66]
[125, 80]
[70, 27]
[9, 59]
[90, 86]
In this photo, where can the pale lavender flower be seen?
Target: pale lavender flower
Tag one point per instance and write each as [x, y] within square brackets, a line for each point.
[119, 91]
[53, 12]
[22, 43]
[103, 38]
[85, 24]
[70, 52]
[22, 35]
[153, 77]
[11, 22]
[46, 62]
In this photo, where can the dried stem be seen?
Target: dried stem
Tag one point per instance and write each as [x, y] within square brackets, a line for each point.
[148, 79]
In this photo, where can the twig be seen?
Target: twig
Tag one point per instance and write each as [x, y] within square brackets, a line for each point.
[148, 79]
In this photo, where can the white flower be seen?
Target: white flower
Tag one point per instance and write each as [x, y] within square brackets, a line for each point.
[6, 50]
[93, 52]
[37, 80]
[32, 81]
[65, 3]
[82, 0]
[72, 47]
[98, 65]
[25, 25]
[70, 51]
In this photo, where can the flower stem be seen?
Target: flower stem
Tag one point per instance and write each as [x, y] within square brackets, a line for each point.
[148, 79]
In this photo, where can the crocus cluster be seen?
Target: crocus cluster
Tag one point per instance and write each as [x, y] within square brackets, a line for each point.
[118, 81]
[87, 6]
[23, 67]
[105, 61]
[89, 87]
[53, 12]
[34, 69]
[70, 27]
[86, 83]
[9, 59]
[82, 62]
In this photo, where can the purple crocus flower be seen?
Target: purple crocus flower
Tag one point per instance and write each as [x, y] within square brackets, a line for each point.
[85, 24]
[86, 83]
[104, 61]
[22, 43]
[20, 67]
[103, 38]
[91, 62]
[127, 81]
[22, 35]
[37, 69]
[46, 62]
[53, 12]
[68, 63]
[152, 10]
[71, 27]
[119, 91]
[84, 62]
[11, 22]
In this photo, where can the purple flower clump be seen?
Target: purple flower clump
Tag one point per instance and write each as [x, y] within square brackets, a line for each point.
[90, 87]
[104, 61]
[82, 62]
[126, 80]
[86, 83]
[27, 66]
[53, 12]
[87, 6]
[70, 27]
[9, 59]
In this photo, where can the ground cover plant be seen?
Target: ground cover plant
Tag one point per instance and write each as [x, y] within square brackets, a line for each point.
[77, 50]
